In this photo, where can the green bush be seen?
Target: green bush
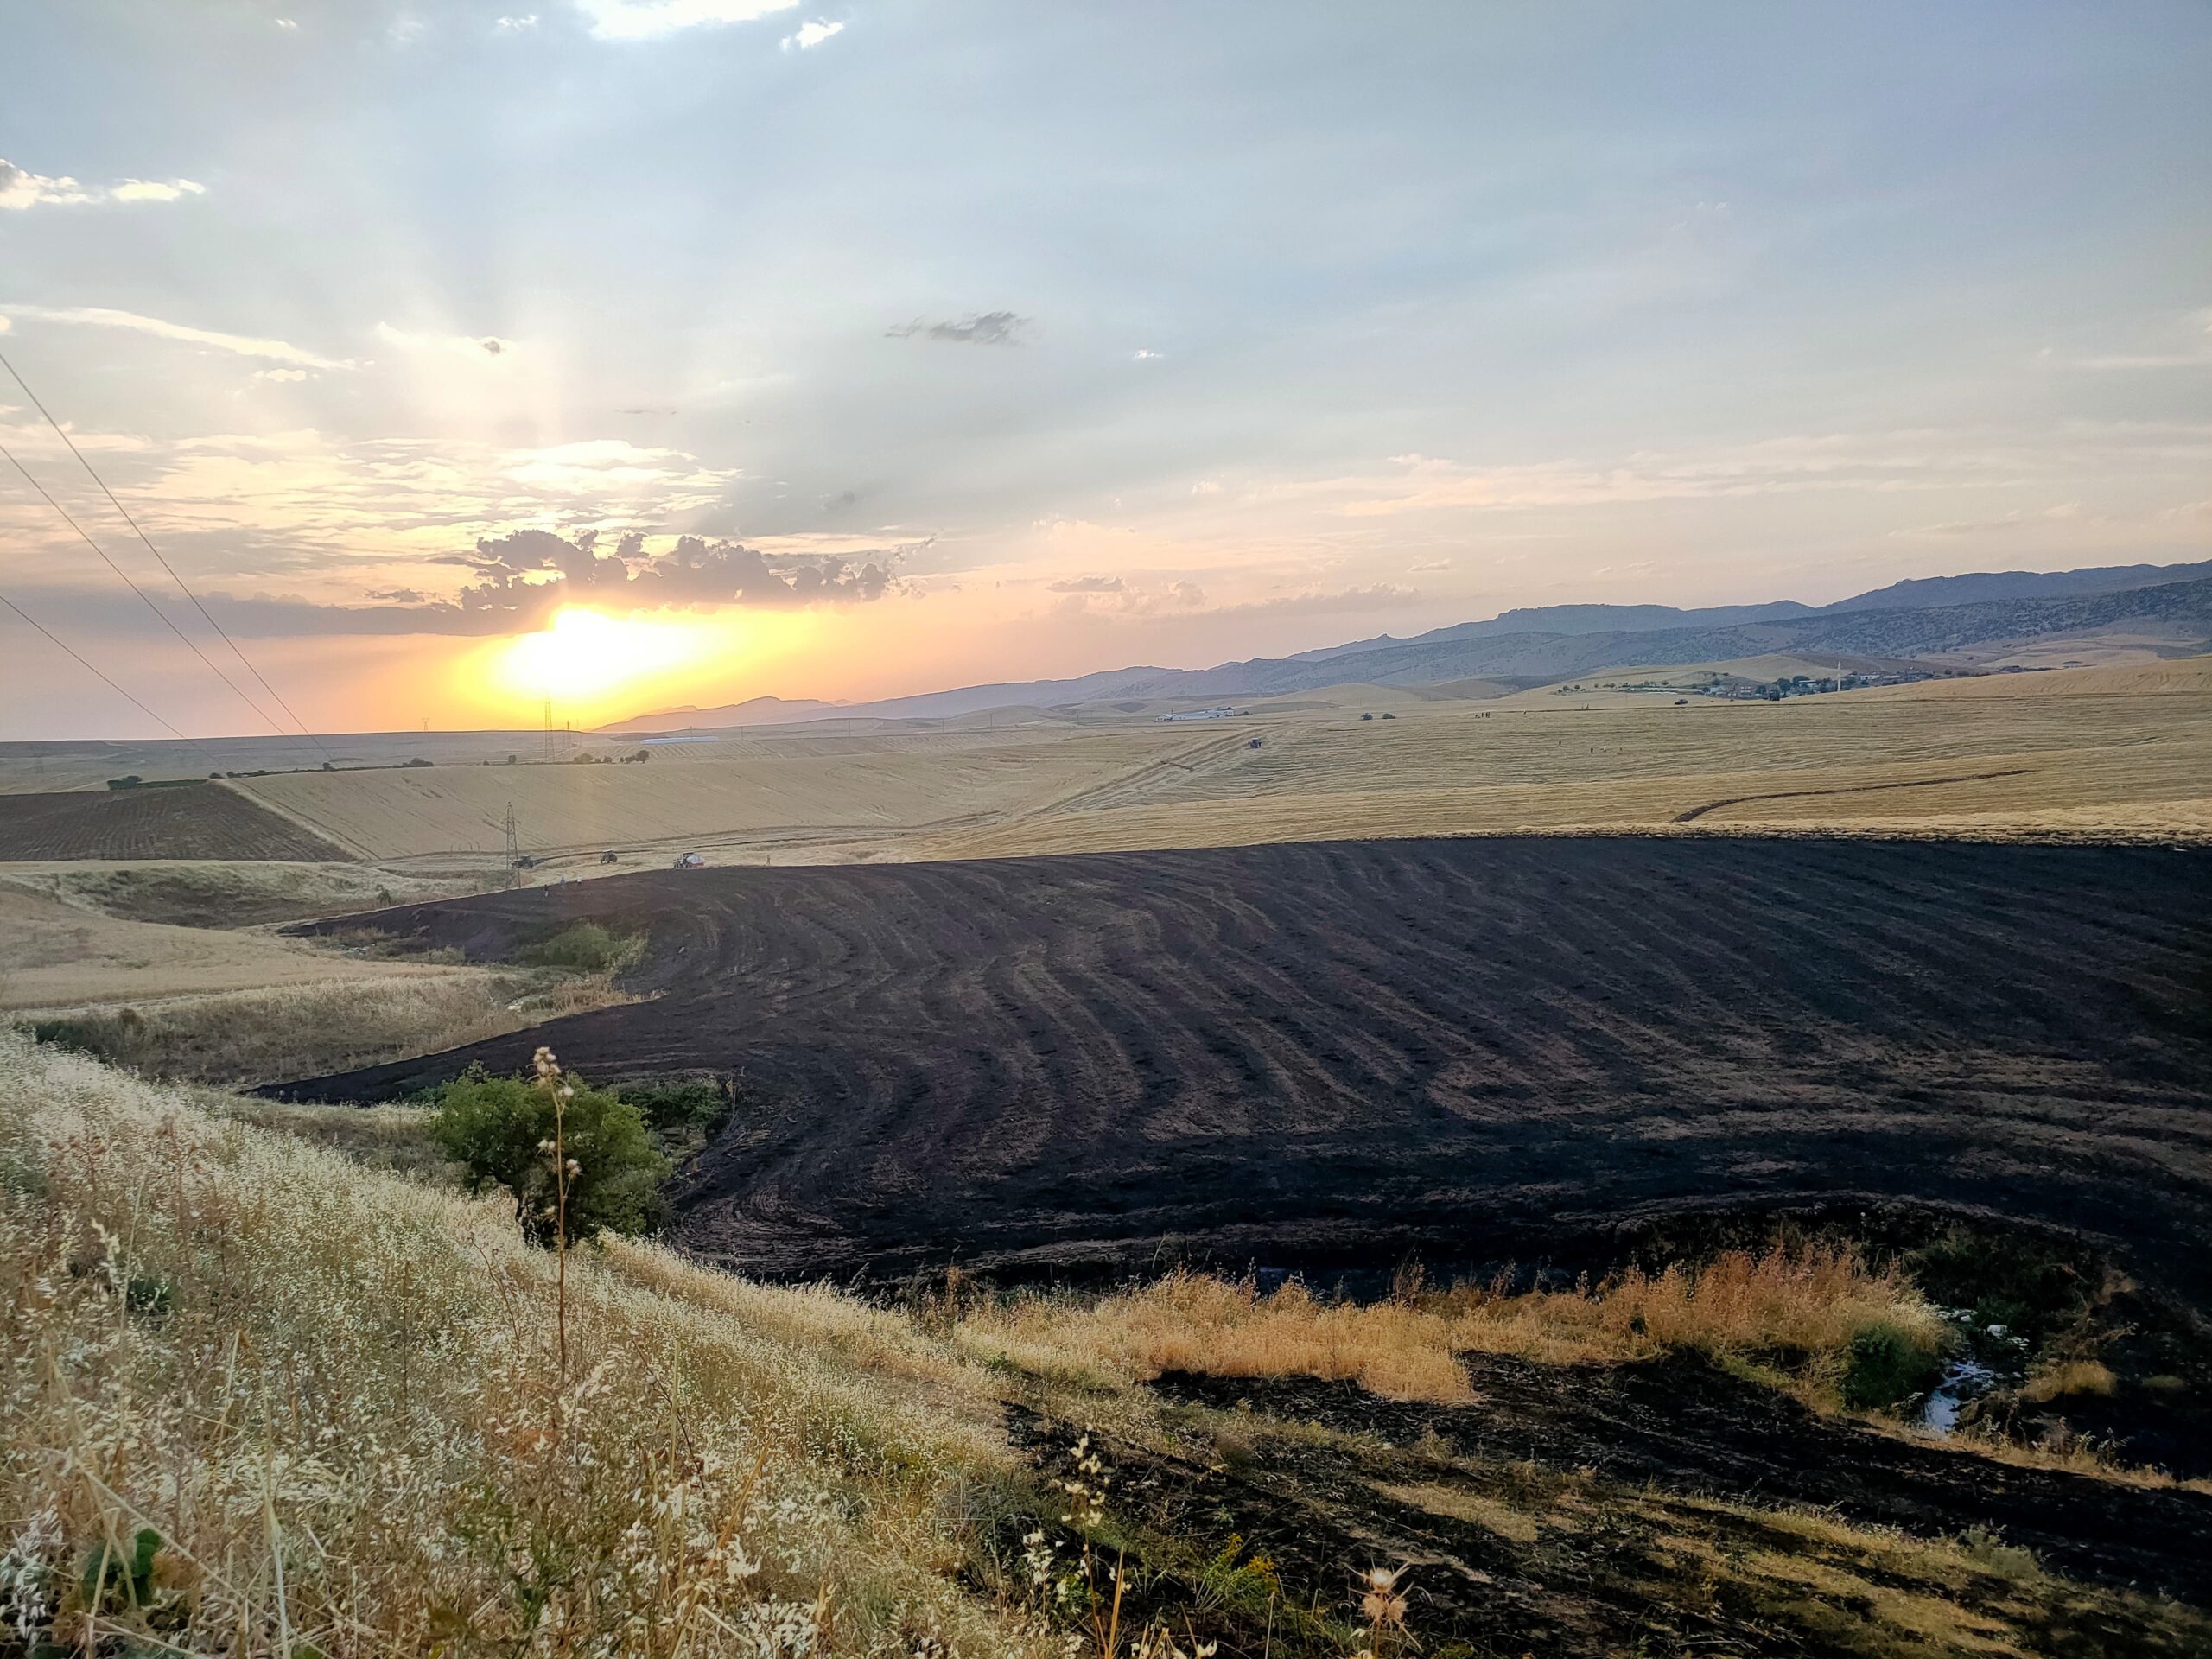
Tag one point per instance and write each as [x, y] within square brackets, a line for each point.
[694, 1108]
[684, 1116]
[1883, 1366]
[2030, 1287]
[497, 1128]
[116, 1036]
[114, 1580]
[582, 948]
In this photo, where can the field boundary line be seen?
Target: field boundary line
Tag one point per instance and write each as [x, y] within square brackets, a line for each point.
[1697, 812]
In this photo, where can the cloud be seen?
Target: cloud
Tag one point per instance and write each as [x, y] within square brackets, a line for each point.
[648, 20]
[473, 347]
[1113, 597]
[276, 351]
[155, 190]
[1145, 354]
[811, 35]
[521, 579]
[282, 374]
[322, 510]
[285, 22]
[2019, 519]
[2187, 344]
[1869, 462]
[1429, 564]
[1316, 602]
[601, 466]
[21, 189]
[519, 25]
[982, 328]
[526, 576]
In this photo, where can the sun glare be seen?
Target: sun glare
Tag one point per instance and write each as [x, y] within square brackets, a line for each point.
[585, 656]
[594, 666]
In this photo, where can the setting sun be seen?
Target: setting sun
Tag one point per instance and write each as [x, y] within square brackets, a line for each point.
[584, 655]
[597, 667]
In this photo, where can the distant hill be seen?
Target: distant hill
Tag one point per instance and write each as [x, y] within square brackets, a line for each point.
[754, 711]
[2019, 584]
[1918, 618]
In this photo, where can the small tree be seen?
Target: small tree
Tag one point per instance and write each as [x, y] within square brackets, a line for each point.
[499, 1126]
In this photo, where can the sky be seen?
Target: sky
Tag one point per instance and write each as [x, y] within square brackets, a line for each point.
[848, 350]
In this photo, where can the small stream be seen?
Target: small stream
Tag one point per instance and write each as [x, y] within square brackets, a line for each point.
[1989, 1356]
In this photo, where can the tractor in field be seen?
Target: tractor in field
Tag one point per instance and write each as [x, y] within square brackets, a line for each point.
[690, 861]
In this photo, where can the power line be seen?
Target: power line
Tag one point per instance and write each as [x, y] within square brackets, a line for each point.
[146, 599]
[56, 639]
[62, 433]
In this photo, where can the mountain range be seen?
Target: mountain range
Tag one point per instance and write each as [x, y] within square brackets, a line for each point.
[1920, 618]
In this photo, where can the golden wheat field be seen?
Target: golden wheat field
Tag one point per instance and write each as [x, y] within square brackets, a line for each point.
[2126, 750]
[832, 795]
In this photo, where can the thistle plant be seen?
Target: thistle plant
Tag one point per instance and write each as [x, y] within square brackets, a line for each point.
[565, 1169]
[1382, 1604]
[1085, 1487]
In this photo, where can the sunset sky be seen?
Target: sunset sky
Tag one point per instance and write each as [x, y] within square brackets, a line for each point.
[864, 349]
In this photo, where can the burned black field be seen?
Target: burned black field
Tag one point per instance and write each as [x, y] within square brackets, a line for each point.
[1338, 1055]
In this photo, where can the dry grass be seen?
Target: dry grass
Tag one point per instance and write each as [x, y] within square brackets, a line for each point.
[2091, 755]
[57, 954]
[2070, 1377]
[331, 1394]
[1806, 1303]
[225, 893]
[299, 1031]
[864, 791]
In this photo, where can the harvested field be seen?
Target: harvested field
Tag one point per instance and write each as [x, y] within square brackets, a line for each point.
[1338, 1053]
[2121, 750]
[2111, 752]
[59, 953]
[229, 894]
[808, 791]
[176, 821]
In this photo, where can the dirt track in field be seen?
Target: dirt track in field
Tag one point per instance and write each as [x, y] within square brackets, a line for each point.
[173, 821]
[1335, 1054]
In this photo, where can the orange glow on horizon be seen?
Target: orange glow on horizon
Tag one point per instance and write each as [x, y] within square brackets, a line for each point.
[598, 667]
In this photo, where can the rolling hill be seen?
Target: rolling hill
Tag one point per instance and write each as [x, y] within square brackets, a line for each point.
[1930, 620]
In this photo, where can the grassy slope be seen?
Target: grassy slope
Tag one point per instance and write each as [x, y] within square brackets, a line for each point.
[57, 953]
[269, 1356]
[337, 1395]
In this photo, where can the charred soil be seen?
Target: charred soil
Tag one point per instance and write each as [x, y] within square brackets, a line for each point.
[1335, 1055]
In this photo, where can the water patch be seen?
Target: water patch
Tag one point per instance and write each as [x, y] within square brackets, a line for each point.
[1989, 1355]
[1963, 1380]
